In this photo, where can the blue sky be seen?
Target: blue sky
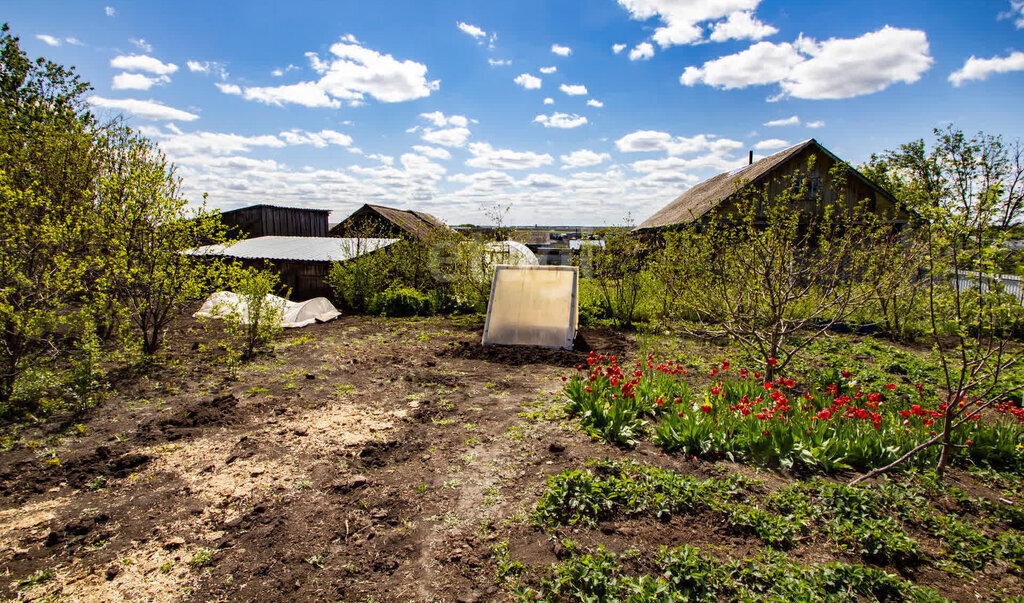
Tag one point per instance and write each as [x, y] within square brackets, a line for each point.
[571, 112]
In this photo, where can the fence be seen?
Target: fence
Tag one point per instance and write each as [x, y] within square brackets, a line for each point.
[1010, 284]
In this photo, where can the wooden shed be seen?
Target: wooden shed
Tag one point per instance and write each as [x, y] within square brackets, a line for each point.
[772, 174]
[271, 220]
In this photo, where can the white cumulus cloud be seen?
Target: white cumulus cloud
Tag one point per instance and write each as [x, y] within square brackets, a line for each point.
[832, 69]
[979, 69]
[353, 73]
[487, 157]
[771, 144]
[654, 140]
[583, 158]
[109, 10]
[561, 120]
[530, 82]
[146, 109]
[573, 89]
[787, 121]
[682, 19]
[547, 70]
[48, 39]
[137, 81]
[815, 124]
[1016, 13]
[141, 44]
[307, 94]
[617, 48]
[742, 25]
[441, 120]
[549, 101]
[595, 103]
[432, 152]
[642, 51]
[499, 62]
[447, 137]
[141, 62]
[472, 30]
[563, 51]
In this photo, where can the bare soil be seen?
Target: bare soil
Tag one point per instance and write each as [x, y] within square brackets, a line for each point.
[366, 459]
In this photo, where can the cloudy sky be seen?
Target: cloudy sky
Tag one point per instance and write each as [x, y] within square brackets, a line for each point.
[571, 111]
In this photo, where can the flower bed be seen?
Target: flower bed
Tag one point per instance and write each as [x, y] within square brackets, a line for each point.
[827, 424]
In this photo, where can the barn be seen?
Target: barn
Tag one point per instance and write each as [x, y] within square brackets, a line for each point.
[271, 220]
[773, 174]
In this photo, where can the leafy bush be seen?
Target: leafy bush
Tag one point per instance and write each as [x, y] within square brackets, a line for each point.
[258, 321]
[401, 301]
[357, 281]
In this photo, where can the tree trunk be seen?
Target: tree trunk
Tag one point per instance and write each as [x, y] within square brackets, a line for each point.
[947, 429]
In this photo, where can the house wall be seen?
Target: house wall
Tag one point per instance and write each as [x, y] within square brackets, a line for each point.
[855, 191]
[304, 279]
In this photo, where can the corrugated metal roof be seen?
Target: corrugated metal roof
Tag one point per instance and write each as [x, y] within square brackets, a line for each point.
[297, 249]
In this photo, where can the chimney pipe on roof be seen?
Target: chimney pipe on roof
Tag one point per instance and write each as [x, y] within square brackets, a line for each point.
[750, 158]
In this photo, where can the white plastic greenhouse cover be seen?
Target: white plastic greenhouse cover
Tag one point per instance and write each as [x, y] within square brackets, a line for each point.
[293, 314]
[533, 305]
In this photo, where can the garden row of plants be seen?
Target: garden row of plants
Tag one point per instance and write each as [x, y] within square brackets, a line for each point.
[883, 525]
[687, 574]
[830, 422]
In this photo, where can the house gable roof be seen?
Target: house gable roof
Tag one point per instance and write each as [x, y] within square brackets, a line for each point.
[417, 224]
[705, 196]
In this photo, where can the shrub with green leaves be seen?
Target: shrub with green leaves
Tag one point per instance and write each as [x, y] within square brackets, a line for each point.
[401, 301]
[257, 320]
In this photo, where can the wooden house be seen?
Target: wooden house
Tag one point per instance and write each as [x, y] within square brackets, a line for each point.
[773, 174]
[273, 221]
[380, 221]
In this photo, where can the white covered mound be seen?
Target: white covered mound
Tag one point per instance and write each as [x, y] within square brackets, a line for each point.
[295, 314]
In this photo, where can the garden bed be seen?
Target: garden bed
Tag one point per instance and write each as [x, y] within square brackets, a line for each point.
[396, 459]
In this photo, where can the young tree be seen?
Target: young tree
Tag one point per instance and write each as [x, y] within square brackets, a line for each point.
[620, 272]
[967, 189]
[258, 320]
[148, 228]
[48, 163]
[775, 272]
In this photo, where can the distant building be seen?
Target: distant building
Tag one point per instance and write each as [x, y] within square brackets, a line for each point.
[774, 173]
[380, 221]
